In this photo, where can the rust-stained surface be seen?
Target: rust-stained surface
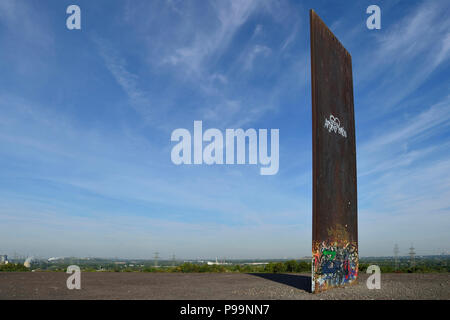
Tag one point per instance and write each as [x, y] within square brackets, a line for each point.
[335, 229]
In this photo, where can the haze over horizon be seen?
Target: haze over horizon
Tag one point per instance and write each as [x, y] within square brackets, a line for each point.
[86, 118]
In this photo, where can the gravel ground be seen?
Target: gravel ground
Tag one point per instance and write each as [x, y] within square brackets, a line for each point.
[222, 286]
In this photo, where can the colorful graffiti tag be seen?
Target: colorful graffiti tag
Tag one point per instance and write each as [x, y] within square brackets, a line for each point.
[334, 264]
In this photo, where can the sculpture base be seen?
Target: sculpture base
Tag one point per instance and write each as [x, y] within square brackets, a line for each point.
[334, 264]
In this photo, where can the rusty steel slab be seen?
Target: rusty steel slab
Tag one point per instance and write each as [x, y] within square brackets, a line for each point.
[335, 230]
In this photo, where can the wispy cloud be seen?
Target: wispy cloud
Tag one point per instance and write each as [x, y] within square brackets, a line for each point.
[291, 38]
[128, 81]
[255, 51]
[210, 44]
[417, 126]
[404, 56]
[22, 20]
[404, 178]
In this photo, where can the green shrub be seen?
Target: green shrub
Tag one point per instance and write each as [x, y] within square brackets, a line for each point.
[10, 267]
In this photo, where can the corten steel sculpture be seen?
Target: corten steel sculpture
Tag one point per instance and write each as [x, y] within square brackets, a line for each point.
[335, 232]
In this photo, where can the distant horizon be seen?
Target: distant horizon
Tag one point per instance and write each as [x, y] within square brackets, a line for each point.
[219, 258]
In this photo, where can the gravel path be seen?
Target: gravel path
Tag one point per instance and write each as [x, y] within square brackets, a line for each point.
[200, 286]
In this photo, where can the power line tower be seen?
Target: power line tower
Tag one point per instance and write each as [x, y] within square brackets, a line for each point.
[412, 258]
[156, 257]
[396, 251]
[173, 260]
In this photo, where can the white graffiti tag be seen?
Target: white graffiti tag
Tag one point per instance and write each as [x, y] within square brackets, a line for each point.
[333, 124]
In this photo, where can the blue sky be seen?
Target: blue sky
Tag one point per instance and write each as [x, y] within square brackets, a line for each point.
[86, 117]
